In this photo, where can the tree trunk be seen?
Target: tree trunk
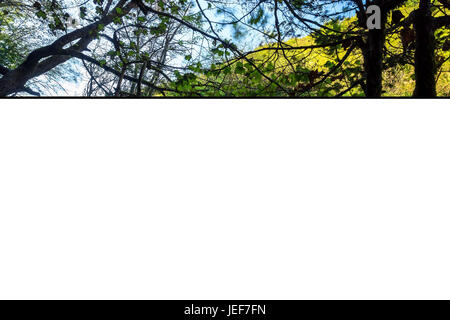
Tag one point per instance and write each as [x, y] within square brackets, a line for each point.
[373, 59]
[425, 68]
[13, 81]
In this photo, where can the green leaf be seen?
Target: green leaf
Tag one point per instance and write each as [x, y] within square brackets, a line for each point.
[41, 14]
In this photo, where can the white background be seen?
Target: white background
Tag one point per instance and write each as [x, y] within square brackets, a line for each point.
[224, 199]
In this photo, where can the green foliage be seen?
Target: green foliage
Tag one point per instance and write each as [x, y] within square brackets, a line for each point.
[11, 50]
[171, 56]
[278, 69]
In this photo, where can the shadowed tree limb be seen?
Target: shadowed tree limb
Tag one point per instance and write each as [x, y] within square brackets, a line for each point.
[13, 80]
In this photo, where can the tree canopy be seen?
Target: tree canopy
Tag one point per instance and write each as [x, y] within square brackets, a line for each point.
[225, 48]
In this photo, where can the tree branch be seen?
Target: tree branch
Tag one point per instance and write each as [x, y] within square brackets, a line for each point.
[30, 91]
[4, 70]
[440, 22]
